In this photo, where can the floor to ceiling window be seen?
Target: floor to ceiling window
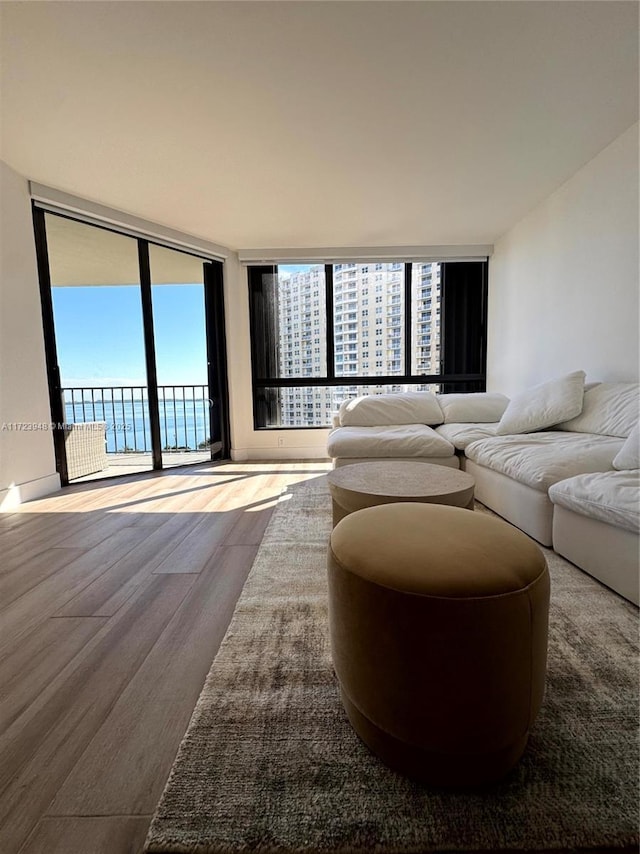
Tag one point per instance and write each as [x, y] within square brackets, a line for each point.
[132, 333]
[323, 333]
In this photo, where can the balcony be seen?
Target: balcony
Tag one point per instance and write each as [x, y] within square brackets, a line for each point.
[124, 410]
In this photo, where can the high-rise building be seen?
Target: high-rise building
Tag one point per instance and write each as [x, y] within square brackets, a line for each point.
[368, 318]
[425, 327]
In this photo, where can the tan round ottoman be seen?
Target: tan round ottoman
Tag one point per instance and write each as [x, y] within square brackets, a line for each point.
[438, 621]
[361, 485]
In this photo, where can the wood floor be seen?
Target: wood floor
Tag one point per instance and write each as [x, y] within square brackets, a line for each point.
[114, 598]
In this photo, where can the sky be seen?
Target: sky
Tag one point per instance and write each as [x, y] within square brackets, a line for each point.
[295, 268]
[100, 341]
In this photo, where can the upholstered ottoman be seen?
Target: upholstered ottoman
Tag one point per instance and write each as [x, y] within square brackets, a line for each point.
[438, 621]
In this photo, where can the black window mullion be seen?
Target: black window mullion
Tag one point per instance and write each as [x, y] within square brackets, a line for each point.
[393, 379]
[150, 353]
[328, 287]
[218, 383]
[484, 312]
[407, 318]
[58, 409]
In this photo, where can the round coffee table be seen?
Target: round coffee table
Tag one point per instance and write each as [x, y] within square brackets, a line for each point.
[359, 485]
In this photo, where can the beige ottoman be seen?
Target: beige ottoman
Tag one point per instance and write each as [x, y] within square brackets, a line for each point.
[438, 621]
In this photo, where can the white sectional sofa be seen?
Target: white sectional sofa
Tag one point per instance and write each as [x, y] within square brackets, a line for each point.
[595, 526]
[401, 426]
[559, 461]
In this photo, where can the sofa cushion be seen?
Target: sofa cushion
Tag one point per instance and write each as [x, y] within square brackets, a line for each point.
[461, 435]
[544, 405]
[609, 409]
[612, 497]
[410, 440]
[380, 410]
[541, 459]
[481, 407]
[629, 455]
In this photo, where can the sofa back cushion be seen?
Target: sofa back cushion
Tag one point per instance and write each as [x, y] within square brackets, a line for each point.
[609, 409]
[543, 405]
[473, 408]
[381, 410]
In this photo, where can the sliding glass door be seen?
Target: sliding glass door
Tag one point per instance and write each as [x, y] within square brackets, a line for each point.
[97, 313]
[130, 329]
[179, 325]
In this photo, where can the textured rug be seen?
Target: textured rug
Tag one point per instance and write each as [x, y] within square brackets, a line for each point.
[270, 764]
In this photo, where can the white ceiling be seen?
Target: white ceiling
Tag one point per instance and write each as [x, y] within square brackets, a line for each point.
[265, 124]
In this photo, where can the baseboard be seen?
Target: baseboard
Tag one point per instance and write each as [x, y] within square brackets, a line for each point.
[16, 494]
[297, 453]
[239, 455]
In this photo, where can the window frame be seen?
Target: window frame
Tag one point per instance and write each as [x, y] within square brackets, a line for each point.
[448, 379]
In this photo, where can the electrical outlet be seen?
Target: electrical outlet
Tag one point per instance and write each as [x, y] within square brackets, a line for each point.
[281, 441]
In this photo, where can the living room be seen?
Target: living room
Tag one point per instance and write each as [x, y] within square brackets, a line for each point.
[324, 133]
[570, 241]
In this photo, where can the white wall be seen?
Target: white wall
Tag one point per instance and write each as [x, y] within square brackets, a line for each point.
[563, 283]
[247, 443]
[27, 462]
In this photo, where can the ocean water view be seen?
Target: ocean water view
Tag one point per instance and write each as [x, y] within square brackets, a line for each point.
[184, 420]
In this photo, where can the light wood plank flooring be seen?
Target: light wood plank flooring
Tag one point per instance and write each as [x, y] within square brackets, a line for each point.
[114, 598]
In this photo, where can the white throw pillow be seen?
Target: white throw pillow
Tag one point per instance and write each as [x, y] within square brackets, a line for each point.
[384, 410]
[544, 405]
[472, 408]
[628, 457]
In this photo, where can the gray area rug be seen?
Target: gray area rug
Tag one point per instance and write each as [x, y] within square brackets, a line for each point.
[270, 764]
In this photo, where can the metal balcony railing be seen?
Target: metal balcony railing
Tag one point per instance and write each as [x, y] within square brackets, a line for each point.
[184, 415]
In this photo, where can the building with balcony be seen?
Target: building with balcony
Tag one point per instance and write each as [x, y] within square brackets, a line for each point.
[368, 321]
